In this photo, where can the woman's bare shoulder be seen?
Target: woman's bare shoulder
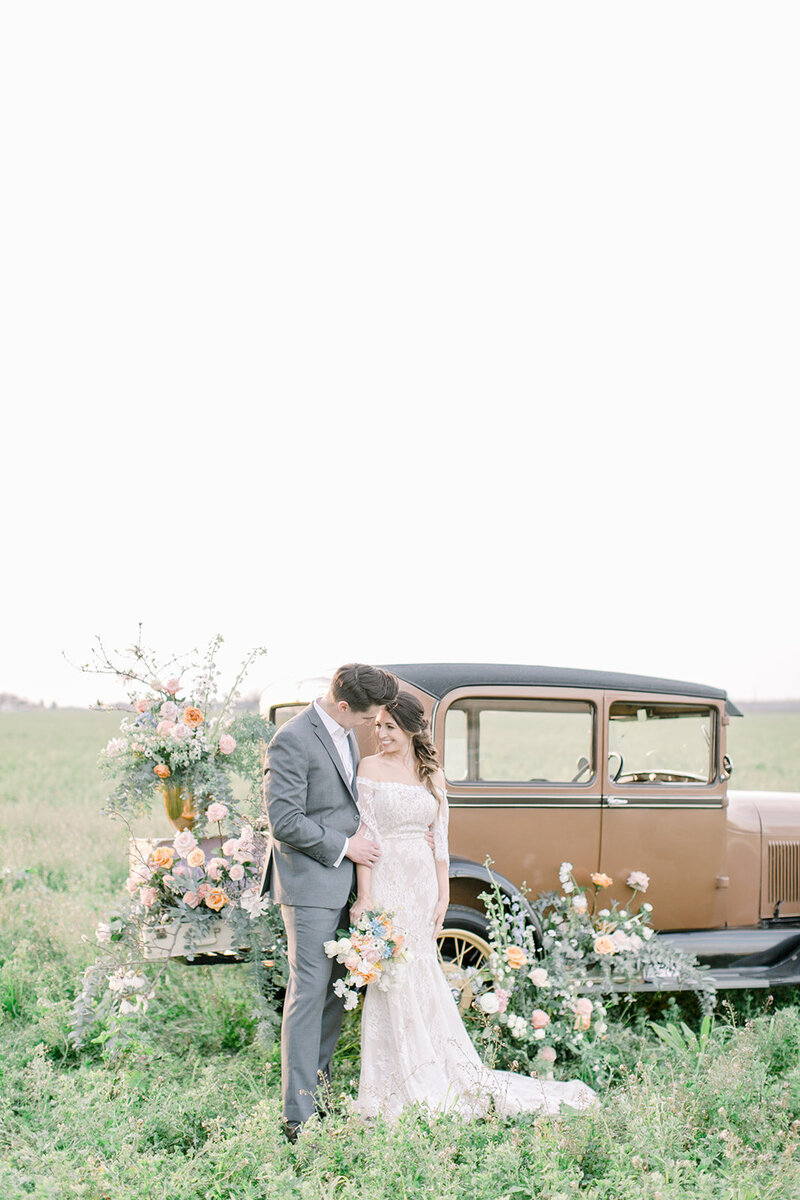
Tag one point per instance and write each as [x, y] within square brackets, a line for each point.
[370, 767]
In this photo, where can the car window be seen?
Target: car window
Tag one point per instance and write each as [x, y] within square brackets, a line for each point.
[520, 741]
[665, 743]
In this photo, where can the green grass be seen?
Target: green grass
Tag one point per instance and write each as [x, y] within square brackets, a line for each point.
[190, 1111]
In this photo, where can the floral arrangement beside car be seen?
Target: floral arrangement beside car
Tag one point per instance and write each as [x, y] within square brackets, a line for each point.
[199, 891]
[536, 1006]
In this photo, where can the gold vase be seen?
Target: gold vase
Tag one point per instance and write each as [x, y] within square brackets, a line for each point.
[179, 805]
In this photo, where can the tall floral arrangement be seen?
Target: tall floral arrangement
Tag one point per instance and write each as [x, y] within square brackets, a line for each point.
[537, 1003]
[179, 733]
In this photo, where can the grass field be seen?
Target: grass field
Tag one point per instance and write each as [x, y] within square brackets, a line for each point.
[191, 1111]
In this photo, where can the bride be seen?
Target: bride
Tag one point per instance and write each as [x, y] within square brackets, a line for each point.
[414, 1046]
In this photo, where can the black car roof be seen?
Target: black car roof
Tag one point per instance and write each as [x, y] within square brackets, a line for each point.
[437, 679]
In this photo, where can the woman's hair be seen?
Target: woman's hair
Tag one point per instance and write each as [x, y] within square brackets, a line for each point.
[409, 714]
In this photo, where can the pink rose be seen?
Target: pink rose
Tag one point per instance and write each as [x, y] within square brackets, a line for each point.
[548, 1054]
[180, 732]
[192, 899]
[638, 880]
[163, 728]
[215, 866]
[179, 871]
[539, 1018]
[217, 812]
[148, 896]
[142, 706]
[583, 1005]
[503, 997]
[237, 872]
[227, 744]
[203, 891]
[172, 686]
[351, 962]
[230, 847]
[184, 842]
[169, 709]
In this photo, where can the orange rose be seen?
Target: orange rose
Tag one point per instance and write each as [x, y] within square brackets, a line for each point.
[364, 977]
[162, 771]
[162, 856]
[216, 899]
[600, 880]
[516, 957]
[192, 717]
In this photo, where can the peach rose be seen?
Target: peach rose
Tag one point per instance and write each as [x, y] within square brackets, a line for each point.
[203, 890]
[540, 1019]
[164, 727]
[162, 856]
[162, 770]
[142, 706]
[192, 899]
[192, 717]
[604, 945]
[516, 957]
[599, 879]
[196, 857]
[216, 899]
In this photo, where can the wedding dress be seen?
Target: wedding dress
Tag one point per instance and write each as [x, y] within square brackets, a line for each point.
[414, 1046]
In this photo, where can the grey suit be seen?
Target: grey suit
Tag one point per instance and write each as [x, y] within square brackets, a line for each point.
[311, 808]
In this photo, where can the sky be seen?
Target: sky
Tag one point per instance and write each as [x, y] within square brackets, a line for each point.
[434, 332]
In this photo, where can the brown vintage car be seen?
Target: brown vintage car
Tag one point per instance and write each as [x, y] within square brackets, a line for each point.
[614, 773]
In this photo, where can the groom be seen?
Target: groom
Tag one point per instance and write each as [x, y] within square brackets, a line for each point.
[310, 791]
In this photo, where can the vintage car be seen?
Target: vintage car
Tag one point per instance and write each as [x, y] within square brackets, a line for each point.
[614, 773]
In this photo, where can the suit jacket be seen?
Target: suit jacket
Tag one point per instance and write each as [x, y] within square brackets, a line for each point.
[311, 809]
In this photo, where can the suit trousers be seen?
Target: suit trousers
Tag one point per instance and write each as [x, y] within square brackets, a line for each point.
[312, 1012]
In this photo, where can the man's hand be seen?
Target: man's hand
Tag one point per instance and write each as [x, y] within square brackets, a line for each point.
[362, 850]
[429, 837]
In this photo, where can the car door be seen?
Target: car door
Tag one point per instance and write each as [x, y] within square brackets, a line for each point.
[663, 805]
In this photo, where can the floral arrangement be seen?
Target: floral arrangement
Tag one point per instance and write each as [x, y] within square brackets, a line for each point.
[183, 884]
[371, 951]
[535, 1006]
[180, 735]
[186, 891]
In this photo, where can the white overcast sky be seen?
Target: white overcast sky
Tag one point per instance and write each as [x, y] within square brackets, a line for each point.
[426, 331]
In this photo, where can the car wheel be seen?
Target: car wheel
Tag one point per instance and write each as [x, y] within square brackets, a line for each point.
[463, 946]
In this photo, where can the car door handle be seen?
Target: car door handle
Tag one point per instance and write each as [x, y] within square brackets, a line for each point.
[616, 801]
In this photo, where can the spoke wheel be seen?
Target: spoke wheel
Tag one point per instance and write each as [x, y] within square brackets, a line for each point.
[458, 950]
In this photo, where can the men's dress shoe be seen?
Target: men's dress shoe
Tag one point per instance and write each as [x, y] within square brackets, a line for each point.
[291, 1130]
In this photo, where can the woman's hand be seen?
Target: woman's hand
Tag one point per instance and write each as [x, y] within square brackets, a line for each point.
[439, 914]
[362, 905]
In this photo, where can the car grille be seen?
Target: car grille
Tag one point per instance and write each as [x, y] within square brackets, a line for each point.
[783, 872]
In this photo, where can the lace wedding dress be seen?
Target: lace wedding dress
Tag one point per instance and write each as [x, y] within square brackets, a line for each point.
[414, 1046]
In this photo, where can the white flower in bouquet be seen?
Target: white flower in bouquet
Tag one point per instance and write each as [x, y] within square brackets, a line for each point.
[184, 843]
[538, 977]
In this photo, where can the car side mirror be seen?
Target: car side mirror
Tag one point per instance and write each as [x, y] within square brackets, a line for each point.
[727, 766]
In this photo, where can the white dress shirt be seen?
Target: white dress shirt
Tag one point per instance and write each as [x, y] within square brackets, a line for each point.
[342, 743]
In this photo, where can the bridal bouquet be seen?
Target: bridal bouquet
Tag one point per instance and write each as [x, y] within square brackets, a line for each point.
[372, 951]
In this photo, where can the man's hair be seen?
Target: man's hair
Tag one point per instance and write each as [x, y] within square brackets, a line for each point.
[362, 686]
